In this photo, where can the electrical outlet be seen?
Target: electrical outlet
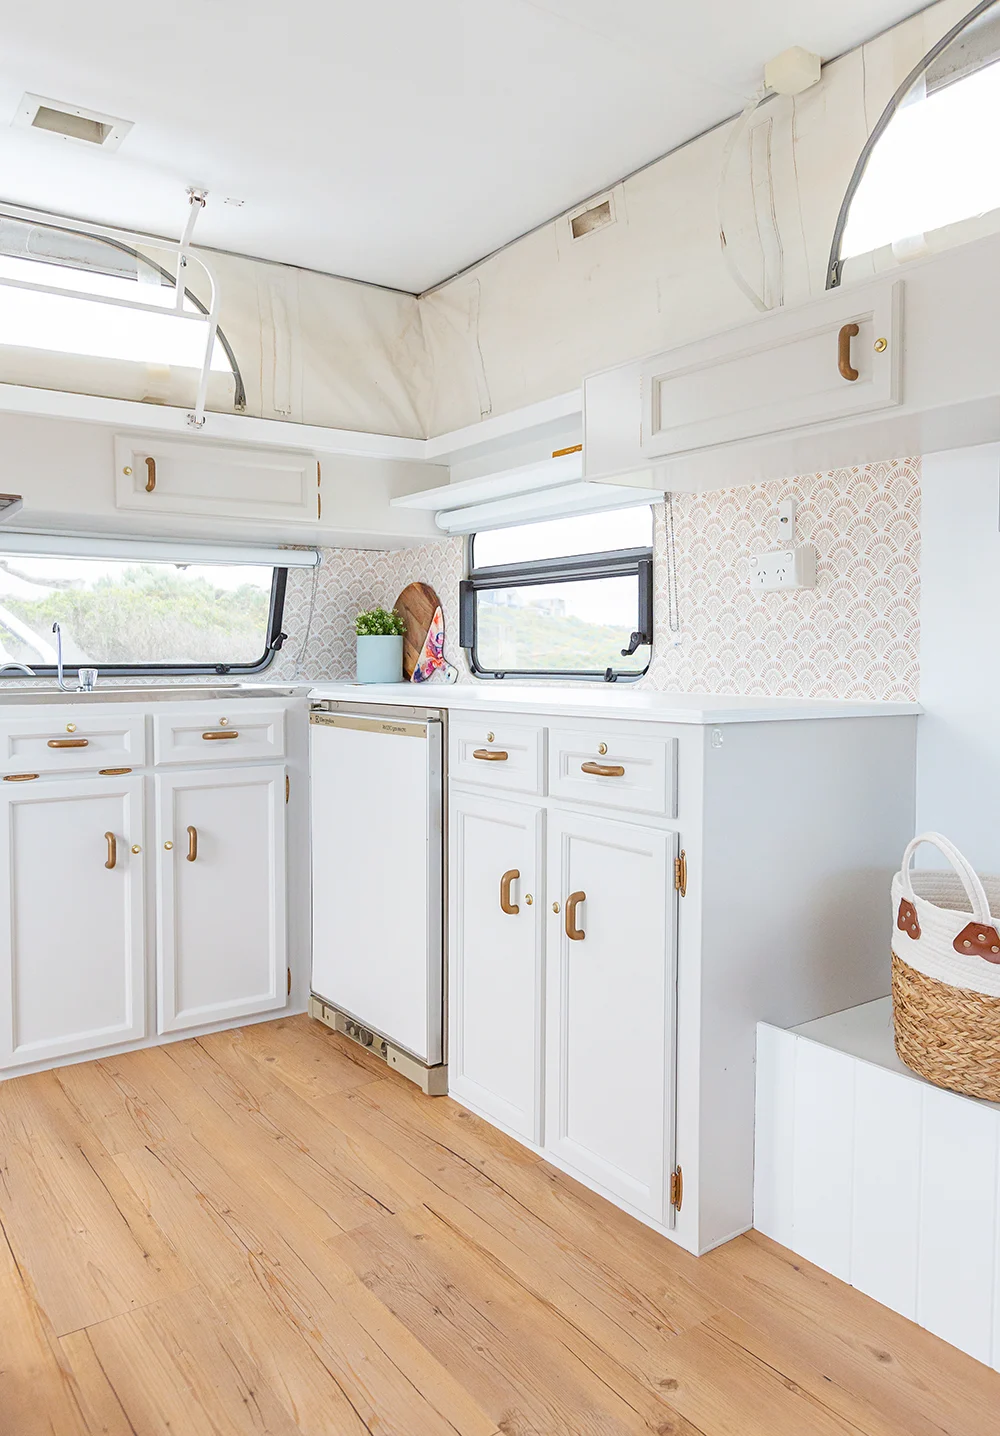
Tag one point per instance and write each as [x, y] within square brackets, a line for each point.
[784, 568]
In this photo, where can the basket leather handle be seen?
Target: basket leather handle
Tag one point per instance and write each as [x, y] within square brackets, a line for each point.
[974, 889]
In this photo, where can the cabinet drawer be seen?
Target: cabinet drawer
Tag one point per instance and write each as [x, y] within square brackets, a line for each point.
[639, 773]
[498, 753]
[216, 735]
[71, 744]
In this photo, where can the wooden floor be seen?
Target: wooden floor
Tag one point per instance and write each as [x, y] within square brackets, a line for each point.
[264, 1231]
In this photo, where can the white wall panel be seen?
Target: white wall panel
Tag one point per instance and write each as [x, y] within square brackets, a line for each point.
[881, 1179]
[886, 1195]
[958, 1218]
[823, 1160]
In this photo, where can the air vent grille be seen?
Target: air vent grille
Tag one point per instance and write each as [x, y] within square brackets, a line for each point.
[597, 216]
[71, 122]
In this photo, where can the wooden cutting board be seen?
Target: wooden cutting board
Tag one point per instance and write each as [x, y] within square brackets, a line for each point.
[416, 605]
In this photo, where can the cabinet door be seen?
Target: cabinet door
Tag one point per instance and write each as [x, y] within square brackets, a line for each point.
[164, 476]
[72, 950]
[780, 372]
[610, 1004]
[221, 900]
[495, 996]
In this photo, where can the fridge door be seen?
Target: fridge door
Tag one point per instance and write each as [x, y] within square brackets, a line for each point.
[377, 875]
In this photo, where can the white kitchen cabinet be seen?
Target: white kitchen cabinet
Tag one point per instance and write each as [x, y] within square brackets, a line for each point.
[610, 1007]
[497, 896]
[72, 946]
[163, 476]
[747, 882]
[221, 894]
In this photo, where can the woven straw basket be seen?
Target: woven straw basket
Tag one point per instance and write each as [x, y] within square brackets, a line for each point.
[946, 972]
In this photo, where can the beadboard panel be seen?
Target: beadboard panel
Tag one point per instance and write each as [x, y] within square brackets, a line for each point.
[883, 1180]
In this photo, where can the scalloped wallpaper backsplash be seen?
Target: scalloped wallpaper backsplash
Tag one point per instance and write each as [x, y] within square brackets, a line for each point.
[855, 635]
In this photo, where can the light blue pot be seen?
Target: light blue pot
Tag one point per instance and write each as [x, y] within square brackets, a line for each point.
[380, 658]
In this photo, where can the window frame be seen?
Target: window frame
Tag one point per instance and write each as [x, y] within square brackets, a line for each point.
[613, 563]
[274, 638]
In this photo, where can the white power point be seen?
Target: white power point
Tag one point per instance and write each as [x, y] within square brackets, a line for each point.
[784, 568]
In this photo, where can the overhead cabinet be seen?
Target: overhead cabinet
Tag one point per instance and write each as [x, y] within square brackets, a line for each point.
[163, 476]
[898, 365]
[798, 367]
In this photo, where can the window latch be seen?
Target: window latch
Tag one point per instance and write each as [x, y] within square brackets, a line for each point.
[636, 641]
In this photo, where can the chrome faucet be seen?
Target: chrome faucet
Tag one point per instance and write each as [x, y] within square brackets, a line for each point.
[23, 667]
[86, 677]
[59, 663]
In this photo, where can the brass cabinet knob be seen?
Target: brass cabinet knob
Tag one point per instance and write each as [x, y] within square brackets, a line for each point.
[168, 846]
[602, 748]
[555, 907]
[490, 737]
[70, 727]
[528, 899]
[223, 722]
[127, 471]
[136, 848]
[881, 345]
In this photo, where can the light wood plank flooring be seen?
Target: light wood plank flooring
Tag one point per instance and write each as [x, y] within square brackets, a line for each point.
[264, 1231]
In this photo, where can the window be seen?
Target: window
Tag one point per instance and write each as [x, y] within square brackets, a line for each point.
[930, 162]
[139, 616]
[567, 598]
[78, 264]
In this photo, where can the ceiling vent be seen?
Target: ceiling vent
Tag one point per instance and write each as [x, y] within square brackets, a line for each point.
[597, 215]
[71, 122]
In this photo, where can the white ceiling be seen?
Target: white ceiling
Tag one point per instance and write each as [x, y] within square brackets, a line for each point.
[392, 141]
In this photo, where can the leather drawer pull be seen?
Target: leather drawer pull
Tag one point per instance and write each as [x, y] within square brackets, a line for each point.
[112, 850]
[510, 908]
[227, 733]
[490, 755]
[20, 777]
[69, 742]
[603, 770]
[847, 369]
[574, 933]
[114, 772]
[192, 852]
[150, 473]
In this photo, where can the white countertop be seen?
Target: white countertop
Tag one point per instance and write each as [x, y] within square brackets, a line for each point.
[608, 701]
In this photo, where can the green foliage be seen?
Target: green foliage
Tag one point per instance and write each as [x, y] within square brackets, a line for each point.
[150, 615]
[379, 623]
[529, 639]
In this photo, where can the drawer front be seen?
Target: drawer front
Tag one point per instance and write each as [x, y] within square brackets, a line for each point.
[606, 768]
[498, 753]
[71, 743]
[209, 734]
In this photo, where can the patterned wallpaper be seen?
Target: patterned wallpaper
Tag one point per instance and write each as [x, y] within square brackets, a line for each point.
[855, 635]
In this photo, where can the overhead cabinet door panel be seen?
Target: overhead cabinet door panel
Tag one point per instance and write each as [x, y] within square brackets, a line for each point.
[788, 370]
[160, 476]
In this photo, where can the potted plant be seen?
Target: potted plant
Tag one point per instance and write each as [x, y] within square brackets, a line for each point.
[380, 646]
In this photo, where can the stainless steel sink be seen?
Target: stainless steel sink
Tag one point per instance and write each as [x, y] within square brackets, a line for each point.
[147, 693]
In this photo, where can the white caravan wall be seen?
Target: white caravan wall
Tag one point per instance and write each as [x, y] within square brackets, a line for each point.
[958, 747]
[536, 318]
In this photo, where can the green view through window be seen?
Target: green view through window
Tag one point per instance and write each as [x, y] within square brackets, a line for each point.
[139, 616]
[566, 598]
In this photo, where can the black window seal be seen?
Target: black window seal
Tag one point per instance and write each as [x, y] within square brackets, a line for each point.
[835, 265]
[615, 563]
[274, 640]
